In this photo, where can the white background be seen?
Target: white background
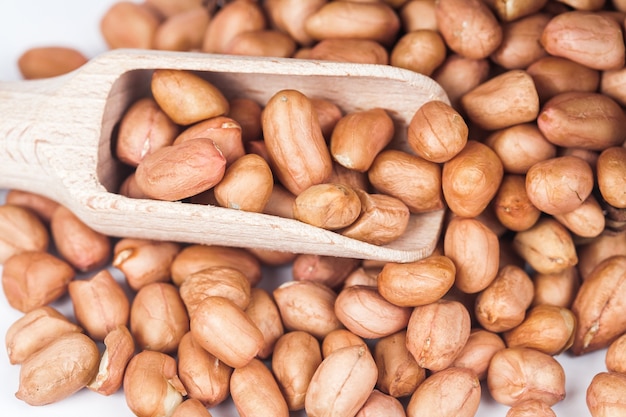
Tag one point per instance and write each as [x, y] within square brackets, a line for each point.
[75, 23]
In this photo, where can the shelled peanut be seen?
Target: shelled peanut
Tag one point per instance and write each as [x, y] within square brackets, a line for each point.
[532, 166]
[183, 144]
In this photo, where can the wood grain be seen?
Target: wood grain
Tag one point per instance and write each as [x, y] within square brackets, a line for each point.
[55, 140]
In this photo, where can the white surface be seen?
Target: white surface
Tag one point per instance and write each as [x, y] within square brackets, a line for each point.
[75, 23]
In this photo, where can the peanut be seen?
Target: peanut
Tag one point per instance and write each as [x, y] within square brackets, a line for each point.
[212, 325]
[362, 310]
[151, 384]
[547, 328]
[416, 283]
[598, 306]
[294, 361]
[100, 304]
[471, 179]
[521, 374]
[35, 330]
[466, 241]
[264, 313]
[204, 377]
[437, 132]
[185, 97]
[351, 366]
[21, 230]
[604, 394]
[50, 61]
[295, 143]
[591, 39]
[119, 349]
[398, 372]
[502, 305]
[158, 318]
[34, 279]
[450, 392]
[437, 332]
[58, 370]
[250, 401]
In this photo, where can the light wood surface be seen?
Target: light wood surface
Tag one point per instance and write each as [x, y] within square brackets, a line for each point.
[55, 140]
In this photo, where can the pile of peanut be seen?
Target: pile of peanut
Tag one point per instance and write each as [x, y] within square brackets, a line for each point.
[529, 159]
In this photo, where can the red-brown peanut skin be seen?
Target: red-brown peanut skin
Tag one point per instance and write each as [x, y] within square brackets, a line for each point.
[468, 27]
[264, 313]
[356, 20]
[611, 172]
[100, 304]
[520, 374]
[194, 258]
[422, 51]
[21, 230]
[264, 42]
[554, 75]
[605, 394]
[143, 129]
[158, 317]
[600, 306]
[478, 351]
[84, 248]
[49, 61]
[591, 39]
[505, 100]
[512, 206]
[182, 31]
[186, 97]
[129, 25]
[452, 392]
[520, 147]
[459, 75]
[530, 408]
[520, 45]
[361, 51]
[230, 20]
[474, 249]
[35, 330]
[295, 144]
[367, 314]
[383, 405]
[471, 179]
[416, 283]
[308, 306]
[502, 305]
[437, 132]
[295, 358]
[151, 384]
[213, 326]
[582, 120]
[398, 372]
[33, 279]
[359, 136]
[437, 332]
[205, 377]
[559, 185]
[58, 370]
[548, 246]
[255, 392]
[225, 131]
[351, 366]
[290, 15]
[180, 171]
[414, 180]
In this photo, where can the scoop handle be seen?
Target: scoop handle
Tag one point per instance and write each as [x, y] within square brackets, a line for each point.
[22, 130]
[50, 131]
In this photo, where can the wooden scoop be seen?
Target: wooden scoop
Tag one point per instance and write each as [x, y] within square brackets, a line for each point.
[55, 140]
